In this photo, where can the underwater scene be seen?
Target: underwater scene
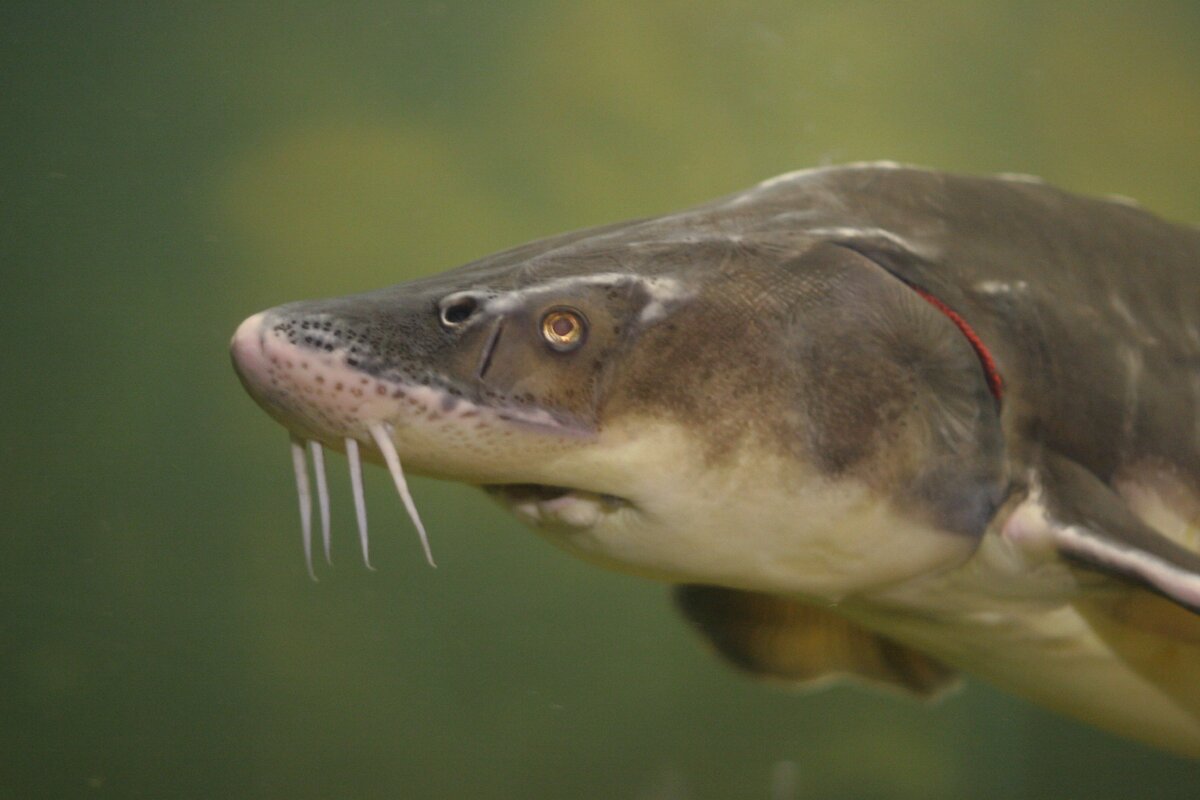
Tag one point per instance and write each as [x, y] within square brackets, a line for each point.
[172, 169]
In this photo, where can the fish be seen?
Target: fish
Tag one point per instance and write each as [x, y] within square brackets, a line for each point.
[871, 422]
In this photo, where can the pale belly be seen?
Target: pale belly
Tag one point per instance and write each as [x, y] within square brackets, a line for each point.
[1116, 656]
[1121, 659]
[1080, 662]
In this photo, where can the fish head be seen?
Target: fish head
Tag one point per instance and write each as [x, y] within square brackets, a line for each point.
[689, 398]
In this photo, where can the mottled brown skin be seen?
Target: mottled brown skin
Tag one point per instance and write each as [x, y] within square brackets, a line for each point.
[1058, 342]
[795, 328]
[843, 366]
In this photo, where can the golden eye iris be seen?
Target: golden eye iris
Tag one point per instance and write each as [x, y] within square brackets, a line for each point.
[563, 329]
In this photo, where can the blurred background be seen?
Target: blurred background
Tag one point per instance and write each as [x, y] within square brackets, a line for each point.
[170, 168]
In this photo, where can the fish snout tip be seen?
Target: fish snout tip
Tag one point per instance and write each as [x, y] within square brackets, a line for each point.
[246, 346]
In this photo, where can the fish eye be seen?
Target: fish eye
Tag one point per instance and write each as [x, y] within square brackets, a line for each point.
[564, 329]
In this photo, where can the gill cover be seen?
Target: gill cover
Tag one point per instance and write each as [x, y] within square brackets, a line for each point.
[895, 393]
[1068, 509]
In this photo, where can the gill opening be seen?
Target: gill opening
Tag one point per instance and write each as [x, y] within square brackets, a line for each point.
[884, 255]
[991, 372]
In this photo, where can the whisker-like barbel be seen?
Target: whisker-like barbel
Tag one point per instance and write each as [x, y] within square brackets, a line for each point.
[383, 440]
[360, 502]
[851, 382]
[318, 458]
[300, 467]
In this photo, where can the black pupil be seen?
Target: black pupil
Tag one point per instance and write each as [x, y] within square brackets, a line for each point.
[562, 326]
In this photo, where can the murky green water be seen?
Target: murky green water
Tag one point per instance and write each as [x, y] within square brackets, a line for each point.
[170, 168]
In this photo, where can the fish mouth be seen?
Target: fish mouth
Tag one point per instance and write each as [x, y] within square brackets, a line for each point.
[547, 506]
[325, 399]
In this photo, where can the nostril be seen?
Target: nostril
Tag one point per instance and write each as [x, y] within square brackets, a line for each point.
[455, 310]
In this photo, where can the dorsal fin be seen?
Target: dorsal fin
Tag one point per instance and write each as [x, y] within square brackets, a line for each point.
[803, 645]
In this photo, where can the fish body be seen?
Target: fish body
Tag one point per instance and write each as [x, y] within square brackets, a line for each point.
[871, 420]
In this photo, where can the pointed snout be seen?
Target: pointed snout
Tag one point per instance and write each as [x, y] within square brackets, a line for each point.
[246, 350]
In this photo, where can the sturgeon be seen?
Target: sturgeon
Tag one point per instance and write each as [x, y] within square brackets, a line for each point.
[872, 421]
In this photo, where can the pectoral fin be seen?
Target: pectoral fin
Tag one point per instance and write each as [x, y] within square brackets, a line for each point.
[780, 638]
[1073, 512]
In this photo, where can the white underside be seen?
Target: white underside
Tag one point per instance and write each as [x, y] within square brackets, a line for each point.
[1019, 617]
[1005, 612]
[744, 521]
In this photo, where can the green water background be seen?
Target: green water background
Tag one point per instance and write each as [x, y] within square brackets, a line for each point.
[171, 168]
